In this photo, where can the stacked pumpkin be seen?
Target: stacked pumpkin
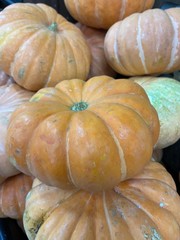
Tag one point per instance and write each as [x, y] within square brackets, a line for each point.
[89, 144]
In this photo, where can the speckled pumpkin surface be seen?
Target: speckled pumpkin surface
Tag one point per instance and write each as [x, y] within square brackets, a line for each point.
[90, 135]
[164, 95]
[146, 207]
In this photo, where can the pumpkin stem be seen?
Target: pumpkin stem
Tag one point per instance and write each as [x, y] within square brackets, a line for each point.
[80, 106]
[53, 27]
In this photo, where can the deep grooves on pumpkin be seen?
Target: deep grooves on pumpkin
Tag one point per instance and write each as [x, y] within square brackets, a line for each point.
[52, 64]
[69, 172]
[107, 215]
[120, 150]
[140, 47]
[175, 42]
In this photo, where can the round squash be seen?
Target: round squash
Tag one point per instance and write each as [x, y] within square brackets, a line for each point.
[164, 95]
[144, 207]
[95, 40]
[39, 47]
[104, 13]
[12, 196]
[11, 96]
[89, 135]
[145, 43]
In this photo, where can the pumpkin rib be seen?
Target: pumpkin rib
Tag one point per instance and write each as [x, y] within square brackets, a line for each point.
[107, 215]
[52, 65]
[175, 42]
[118, 146]
[68, 167]
[140, 47]
[148, 197]
[128, 107]
[145, 211]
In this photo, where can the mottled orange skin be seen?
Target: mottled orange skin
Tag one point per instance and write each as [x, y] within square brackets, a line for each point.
[144, 207]
[93, 149]
[39, 47]
[13, 192]
[104, 13]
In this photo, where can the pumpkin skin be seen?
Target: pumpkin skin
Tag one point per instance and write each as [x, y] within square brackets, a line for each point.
[12, 196]
[95, 41]
[78, 133]
[144, 207]
[39, 47]
[139, 45]
[164, 95]
[11, 96]
[5, 79]
[102, 13]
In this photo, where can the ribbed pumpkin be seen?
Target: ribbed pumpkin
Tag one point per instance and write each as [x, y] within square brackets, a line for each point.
[164, 95]
[104, 13]
[13, 192]
[11, 96]
[95, 40]
[145, 43]
[39, 47]
[89, 135]
[144, 207]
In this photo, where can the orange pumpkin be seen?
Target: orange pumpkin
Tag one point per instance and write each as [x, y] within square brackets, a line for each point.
[11, 96]
[95, 41]
[104, 13]
[144, 207]
[39, 47]
[12, 196]
[89, 135]
[145, 43]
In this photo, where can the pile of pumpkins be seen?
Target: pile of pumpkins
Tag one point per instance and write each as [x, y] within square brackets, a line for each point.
[84, 117]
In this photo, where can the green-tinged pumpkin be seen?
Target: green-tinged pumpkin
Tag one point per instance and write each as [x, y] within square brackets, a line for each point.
[13, 192]
[39, 47]
[104, 13]
[90, 135]
[164, 95]
[146, 207]
[11, 97]
[145, 43]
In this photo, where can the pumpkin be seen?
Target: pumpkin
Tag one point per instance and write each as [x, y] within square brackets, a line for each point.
[39, 47]
[164, 95]
[89, 135]
[12, 196]
[5, 79]
[104, 13]
[144, 207]
[145, 43]
[11, 96]
[95, 40]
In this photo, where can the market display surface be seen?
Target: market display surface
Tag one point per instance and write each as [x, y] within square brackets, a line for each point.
[89, 109]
